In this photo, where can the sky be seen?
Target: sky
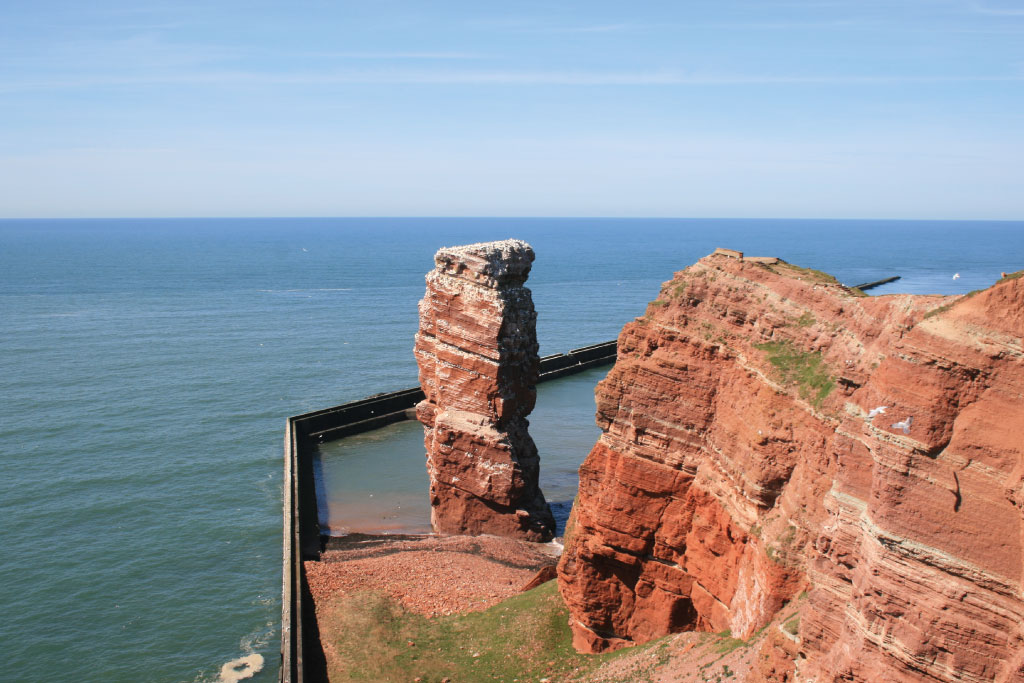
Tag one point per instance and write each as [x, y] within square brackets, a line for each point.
[724, 108]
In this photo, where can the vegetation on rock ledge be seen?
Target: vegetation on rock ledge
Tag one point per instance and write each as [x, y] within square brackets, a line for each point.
[806, 369]
[783, 268]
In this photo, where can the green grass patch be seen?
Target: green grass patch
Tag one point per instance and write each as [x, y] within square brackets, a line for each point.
[659, 303]
[806, 369]
[805, 320]
[679, 289]
[945, 307]
[811, 274]
[938, 311]
[792, 626]
[1011, 276]
[780, 551]
[726, 643]
[369, 637]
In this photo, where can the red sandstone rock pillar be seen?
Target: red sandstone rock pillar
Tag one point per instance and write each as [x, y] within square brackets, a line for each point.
[478, 366]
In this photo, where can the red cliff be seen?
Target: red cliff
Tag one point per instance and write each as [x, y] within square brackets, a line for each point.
[746, 463]
[477, 354]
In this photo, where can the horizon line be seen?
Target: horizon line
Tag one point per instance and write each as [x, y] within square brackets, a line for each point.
[522, 217]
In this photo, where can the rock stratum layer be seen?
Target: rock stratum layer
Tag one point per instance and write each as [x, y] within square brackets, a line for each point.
[741, 474]
[477, 354]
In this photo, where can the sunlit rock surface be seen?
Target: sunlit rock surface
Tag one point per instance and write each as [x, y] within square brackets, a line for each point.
[739, 473]
[478, 366]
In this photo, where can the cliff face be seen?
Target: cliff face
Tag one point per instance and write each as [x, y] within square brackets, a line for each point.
[741, 465]
[477, 354]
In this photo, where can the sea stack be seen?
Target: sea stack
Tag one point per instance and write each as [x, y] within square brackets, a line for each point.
[842, 474]
[477, 354]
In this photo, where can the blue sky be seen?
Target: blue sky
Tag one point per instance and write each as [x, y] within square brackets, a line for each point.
[830, 108]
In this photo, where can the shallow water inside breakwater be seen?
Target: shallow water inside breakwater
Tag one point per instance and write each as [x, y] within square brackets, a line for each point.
[377, 482]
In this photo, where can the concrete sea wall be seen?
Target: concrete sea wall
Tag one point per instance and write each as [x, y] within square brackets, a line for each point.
[302, 659]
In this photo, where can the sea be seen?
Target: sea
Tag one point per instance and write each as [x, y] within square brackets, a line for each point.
[147, 368]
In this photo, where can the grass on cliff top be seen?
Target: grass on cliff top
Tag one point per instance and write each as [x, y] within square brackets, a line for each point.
[945, 307]
[788, 269]
[1010, 276]
[806, 369]
[367, 637]
[942, 309]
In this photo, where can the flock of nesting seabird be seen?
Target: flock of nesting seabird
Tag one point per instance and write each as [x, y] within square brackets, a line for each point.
[880, 410]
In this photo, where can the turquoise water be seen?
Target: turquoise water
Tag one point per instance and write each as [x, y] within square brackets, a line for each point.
[148, 366]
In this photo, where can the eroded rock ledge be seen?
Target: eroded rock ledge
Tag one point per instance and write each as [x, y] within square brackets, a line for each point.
[477, 354]
[744, 467]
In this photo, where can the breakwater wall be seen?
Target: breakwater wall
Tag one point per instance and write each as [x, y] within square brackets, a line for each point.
[380, 410]
[872, 285]
[302, 659]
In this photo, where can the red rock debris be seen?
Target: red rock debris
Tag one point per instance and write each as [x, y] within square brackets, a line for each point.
[431, 575]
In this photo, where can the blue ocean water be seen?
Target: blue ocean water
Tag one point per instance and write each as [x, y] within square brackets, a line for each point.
[148, 366]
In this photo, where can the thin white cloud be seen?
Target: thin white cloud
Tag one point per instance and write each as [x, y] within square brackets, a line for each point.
[798, 4]
[779, 25]
[729, 25]
[400, 55]
[533, 25]
[496, 78]
[141, 51]
[597, 28]
[984, 8]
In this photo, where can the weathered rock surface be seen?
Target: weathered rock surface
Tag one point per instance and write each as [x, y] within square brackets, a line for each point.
[477, 354]
[739, 467]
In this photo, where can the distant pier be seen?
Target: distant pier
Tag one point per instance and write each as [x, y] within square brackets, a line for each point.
[870, 285]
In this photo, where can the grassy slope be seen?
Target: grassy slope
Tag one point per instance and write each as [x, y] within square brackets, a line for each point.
[524, 638]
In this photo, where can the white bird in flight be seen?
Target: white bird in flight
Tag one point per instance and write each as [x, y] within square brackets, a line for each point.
[956, 276]
[880, 410]
[905, 425]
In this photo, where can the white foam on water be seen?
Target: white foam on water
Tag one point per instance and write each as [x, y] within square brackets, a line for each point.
[241, 668]
[259, 638]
